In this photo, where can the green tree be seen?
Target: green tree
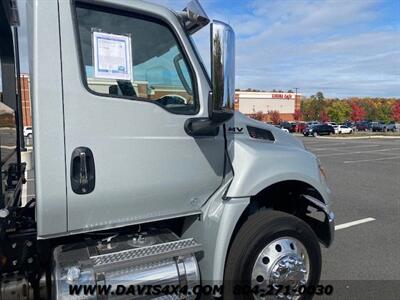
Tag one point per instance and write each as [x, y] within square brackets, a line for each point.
[371, 108]
[339, 111]
[312, 108]
[384, 111]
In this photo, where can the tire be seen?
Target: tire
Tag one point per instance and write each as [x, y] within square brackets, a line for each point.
[260, 231]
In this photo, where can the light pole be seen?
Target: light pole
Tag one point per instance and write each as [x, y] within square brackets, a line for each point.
[296, 92]
[295, 101]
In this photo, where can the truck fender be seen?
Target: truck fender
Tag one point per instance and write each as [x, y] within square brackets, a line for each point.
[260, 165]
[214, 230]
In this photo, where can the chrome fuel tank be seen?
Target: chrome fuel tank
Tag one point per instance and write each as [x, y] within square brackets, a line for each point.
[135, 266]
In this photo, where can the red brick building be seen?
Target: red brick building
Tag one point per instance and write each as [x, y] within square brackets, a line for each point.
[252, 102]
[26, 100]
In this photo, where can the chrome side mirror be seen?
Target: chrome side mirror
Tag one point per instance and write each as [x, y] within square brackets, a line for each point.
[194, 17]
[222, 71]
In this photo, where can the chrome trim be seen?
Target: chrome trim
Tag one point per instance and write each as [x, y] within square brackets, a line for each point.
[223, 66]
[146, 254]
[329, 220]
[167, 262]
[287, 266]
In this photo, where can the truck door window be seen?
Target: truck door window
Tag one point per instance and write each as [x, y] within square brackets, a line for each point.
[160, 72]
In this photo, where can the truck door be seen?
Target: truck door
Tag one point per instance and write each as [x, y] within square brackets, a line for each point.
[130, 81]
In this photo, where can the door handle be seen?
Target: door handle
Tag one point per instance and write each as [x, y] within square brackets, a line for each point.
[83, 177]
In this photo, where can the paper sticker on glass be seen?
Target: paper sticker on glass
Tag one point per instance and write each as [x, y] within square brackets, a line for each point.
[112, 56]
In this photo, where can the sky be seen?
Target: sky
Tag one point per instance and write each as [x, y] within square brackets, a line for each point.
[343, 48]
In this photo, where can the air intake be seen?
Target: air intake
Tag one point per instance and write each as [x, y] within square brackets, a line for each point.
[261, 134]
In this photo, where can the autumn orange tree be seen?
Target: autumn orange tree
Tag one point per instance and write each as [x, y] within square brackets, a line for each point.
[357, 112]
[355, 109]
[259, 116]
[297, 115]
[396, 111]
[274, 116]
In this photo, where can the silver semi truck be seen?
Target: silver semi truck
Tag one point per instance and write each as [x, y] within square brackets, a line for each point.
[144, 174]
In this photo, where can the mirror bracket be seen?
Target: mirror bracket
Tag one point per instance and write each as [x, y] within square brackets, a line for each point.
[201, 127]
[193, 17]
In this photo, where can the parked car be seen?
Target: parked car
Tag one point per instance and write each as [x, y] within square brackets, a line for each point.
[363, 126]
[378, 126]
[28, 132]
[393, 126]
[312, 123]
[300, 126]
[315, 130]
[343, 129]
[350, 124]
[282, 128]
[291, 127]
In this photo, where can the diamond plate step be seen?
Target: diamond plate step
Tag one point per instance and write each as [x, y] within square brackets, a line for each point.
[146, 254]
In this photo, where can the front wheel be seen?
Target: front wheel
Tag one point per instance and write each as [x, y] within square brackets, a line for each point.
[272, 249]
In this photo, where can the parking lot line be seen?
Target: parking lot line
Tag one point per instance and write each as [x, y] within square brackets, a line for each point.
[353, 223]
[359, 152]
[368, 160]
[344, 148]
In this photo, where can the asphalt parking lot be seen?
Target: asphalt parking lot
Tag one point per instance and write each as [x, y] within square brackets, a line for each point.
[364, 175]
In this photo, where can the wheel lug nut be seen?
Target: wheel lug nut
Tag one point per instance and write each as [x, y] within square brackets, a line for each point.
[276, 275]
[280, 296]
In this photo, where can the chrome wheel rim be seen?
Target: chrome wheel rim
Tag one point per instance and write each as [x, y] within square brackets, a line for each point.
[283, 262]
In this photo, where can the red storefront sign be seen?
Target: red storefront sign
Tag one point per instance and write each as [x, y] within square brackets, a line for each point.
[281, 96]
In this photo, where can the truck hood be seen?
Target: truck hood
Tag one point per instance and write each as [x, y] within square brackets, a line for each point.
[240, 129]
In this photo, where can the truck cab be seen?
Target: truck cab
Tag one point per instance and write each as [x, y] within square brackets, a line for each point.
[144, 174]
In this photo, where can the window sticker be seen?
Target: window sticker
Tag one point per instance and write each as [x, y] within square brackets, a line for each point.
[112, 56]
